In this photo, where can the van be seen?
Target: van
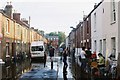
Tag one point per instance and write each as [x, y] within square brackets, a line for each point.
[37, 49]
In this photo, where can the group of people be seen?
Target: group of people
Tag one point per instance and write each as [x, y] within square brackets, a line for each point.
[63, 52]
[85, 57]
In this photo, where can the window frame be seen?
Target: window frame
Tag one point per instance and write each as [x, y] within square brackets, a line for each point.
[113, 12]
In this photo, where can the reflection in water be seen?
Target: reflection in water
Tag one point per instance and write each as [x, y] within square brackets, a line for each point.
[0, 71]
[64, 72]
[65, 76]
[37, 65]
[12, 70]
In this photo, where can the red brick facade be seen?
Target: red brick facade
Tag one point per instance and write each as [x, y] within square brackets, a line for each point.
[82, 33]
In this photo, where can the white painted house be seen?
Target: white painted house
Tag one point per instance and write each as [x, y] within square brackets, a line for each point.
[105, 28]
[67, 42]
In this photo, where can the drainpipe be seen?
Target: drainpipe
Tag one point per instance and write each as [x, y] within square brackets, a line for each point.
[1, 36]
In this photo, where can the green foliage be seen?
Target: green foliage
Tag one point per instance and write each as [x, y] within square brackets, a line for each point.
[53, 34]
[61, 36]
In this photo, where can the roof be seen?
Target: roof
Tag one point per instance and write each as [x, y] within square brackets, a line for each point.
[48, 36]
[93, 9]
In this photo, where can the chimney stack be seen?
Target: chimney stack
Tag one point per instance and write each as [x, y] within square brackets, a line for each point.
[16, 16]
[32, 27]
[95, 5]
[24, 20]
[8, 9]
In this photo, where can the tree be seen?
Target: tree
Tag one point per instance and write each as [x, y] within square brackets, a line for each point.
[61, 36]
[53, 34]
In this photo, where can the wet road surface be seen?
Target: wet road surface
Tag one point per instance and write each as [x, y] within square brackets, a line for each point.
[43, 73]
[13, 71]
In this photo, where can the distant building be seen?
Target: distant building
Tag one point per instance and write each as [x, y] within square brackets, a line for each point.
[53, 40]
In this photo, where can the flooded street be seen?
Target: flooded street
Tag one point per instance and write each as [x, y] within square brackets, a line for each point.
[14, 71]
[82, 37]
[35, 70]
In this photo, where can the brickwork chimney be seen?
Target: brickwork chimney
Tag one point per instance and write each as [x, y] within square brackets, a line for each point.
[8, 9]
[16, 16]
[95, 5]
[24, 20]
[32, 27]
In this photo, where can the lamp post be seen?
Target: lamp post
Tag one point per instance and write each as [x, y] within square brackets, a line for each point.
[72, 27]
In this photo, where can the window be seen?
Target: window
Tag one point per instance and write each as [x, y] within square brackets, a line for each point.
[7, 49]
[18, 30]
[7, 26]
[81, 32]
[100, 46]
[94, 22]
[25, 34]
[95, 46]
[113, 13]
[113, 45]
[104, 47]
[37, 48]
[87, 27]
[51, 38]
[103, 10]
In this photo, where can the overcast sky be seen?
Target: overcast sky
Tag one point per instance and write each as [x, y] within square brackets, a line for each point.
[52, 15]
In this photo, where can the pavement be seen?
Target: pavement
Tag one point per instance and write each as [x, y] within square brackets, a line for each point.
[40, 73]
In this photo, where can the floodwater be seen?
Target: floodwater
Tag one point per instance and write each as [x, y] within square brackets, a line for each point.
[13, 71]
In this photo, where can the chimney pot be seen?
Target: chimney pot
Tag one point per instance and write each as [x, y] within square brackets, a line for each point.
[95, 5]
[24, 20]
[16, 16]
[8, 9]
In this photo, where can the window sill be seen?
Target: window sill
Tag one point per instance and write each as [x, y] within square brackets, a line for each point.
[113, 22]
[7, 33]
[7, 56]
